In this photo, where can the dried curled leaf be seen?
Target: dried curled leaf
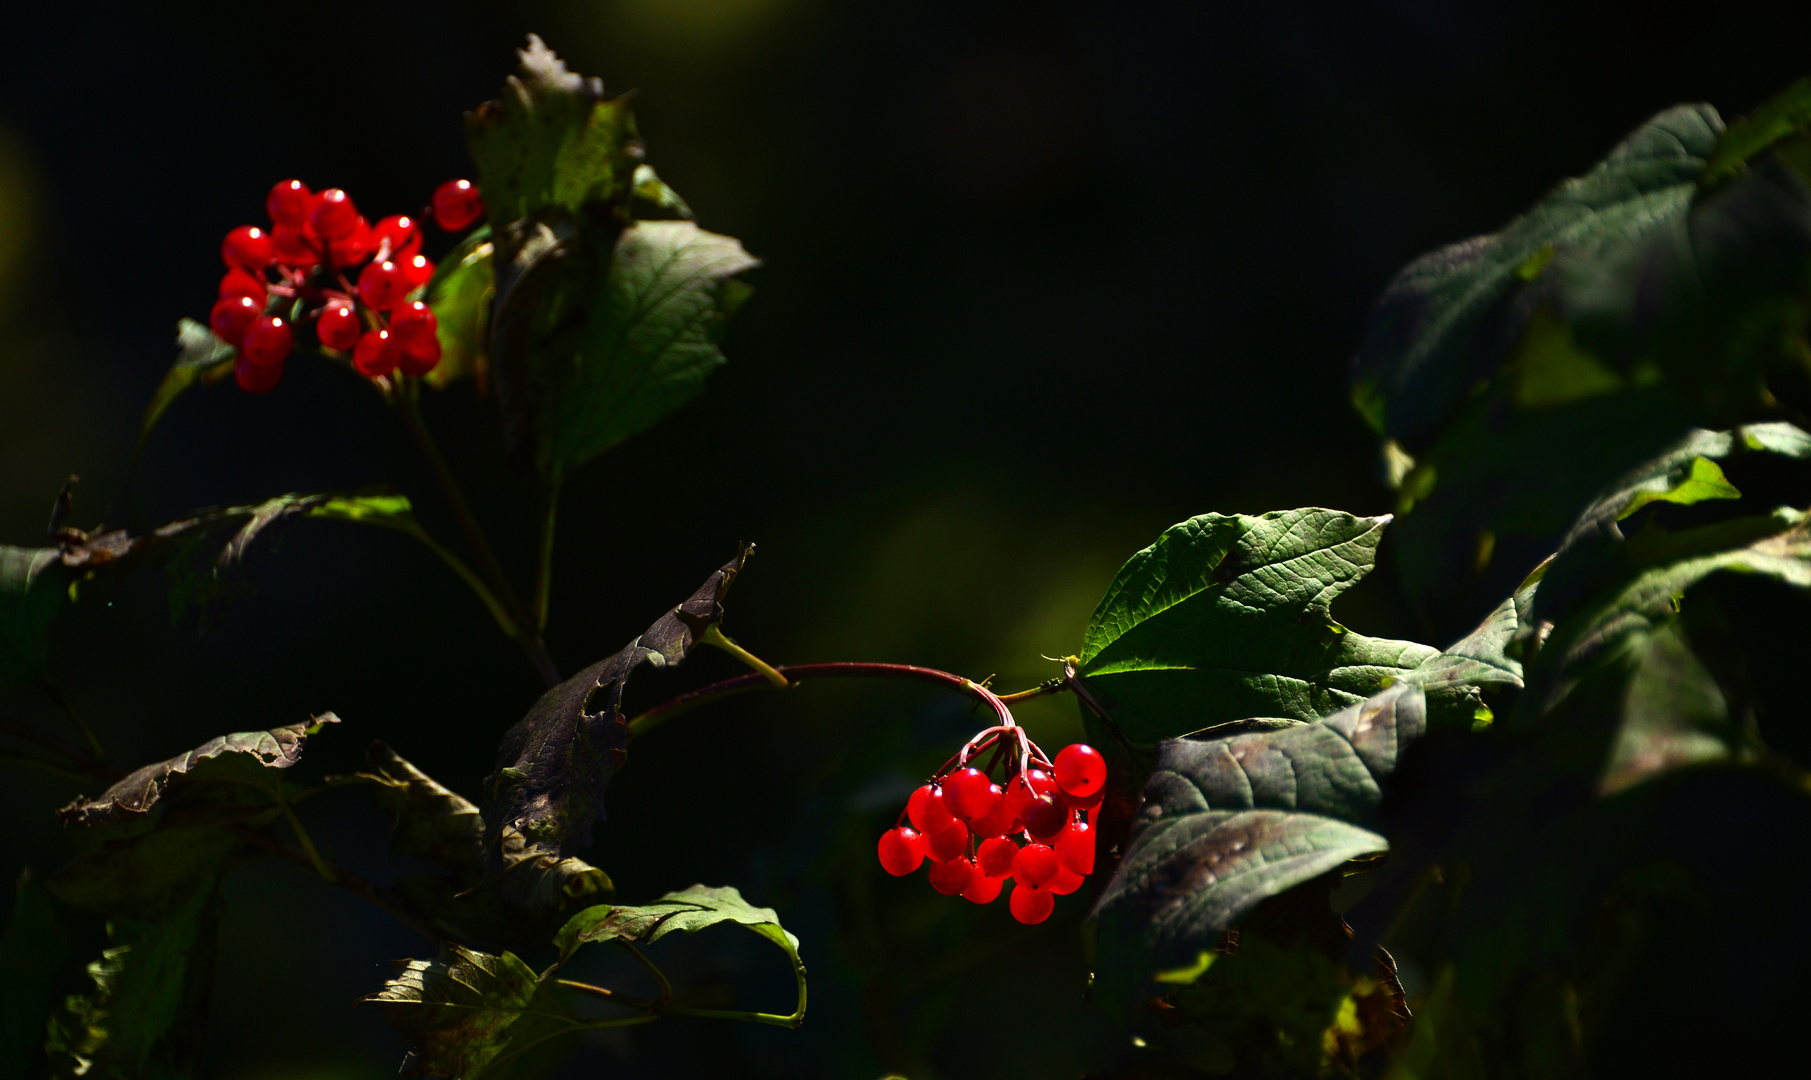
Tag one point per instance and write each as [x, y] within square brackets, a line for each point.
[226, 759]
[469, 1014]
[555, 764]
[432, 821]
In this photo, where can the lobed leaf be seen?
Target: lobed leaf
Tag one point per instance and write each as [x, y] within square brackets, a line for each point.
[469, 1014]
[555, 764]
[688, 910]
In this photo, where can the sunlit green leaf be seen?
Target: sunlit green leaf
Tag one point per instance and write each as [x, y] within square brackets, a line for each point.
[688, 910]
[470, 1015]
[460, 294]
[1785, 114]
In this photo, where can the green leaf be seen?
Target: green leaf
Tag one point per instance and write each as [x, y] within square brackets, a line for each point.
[552, 140]
[148, 1010]
[1226, 617]
[555, 764]
[651, 189]
[1786, 114]
[1484, 657]
[236, 760]
[432, 821]
[32, 586]
[31, 955]
[1226, 822]
[460, 293]
[150, 873]
[201, 357]
[688, 910]
[653, 336]
[470, 1015]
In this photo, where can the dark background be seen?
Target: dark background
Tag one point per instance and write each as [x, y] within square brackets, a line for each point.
[1040, 280]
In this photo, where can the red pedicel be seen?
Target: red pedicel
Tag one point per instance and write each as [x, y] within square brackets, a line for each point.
[337, 326]
[950, 878]
[267, 341]
[287, 203]
[1080, 770]
[1075, 847]
[375, 354]
[232, 316]
[402, 233]
[995, 857]
[901, 850]
[256, 378]
[926, 809]
[242, 282]
[247, 246]
[380, 285]
[1031, 906]
[1034, 865]
[457, 205]
[983, 889]
[333, 215]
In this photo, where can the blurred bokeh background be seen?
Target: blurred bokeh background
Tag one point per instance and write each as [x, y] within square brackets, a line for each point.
[1041, 278]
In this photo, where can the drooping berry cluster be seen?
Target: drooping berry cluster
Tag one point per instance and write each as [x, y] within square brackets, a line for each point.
[322, 267]
[1023, 817]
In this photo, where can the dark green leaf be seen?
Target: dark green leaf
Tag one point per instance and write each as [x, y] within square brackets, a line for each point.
[151, 876]
[1226, 617]
[33, 583]
[201, 357]
[1226, 822]
[239, 759]
[31, 955]
[688, 910]
[470, 1015]
[1484, 657]
[555, 764]
[432, 822]
[1786, 114]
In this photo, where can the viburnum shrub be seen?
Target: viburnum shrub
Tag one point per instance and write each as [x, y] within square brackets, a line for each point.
[1592, 423]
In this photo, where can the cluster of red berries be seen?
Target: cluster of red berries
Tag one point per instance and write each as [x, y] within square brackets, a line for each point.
[1032, 826]
[308, 266]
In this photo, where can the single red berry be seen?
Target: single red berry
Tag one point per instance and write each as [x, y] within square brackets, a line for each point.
[1045, 817]
[380, 285]
[242, 282]
[970, 794]
[401, 232]
[947, 841]
[1081, 802]
[1075, 847]
[296, 246]
[1034, 865]
[1065, 882]
[413, 319]
[416, 270]
[997, 822]
[375, 354]
[983, 889]
[417, 355]
[288, 202]
[1031, 906]
[232, 316]
[901, 850]
[995, 856]
[267, 341]
[1080, 770]
[1024, 787]
[337, 326]
[950, 878]
[247, 246]
[926, 809]
[355, 247]
[457, 205]
[333, 215]
[256, 378]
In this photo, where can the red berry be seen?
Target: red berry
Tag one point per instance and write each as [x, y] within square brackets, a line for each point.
[926, 809]
[970, 794]
[413, 320]
[288, 202]
[995, 856]
[247, 246]
[333, 215]
[375, 354]
[1021, 789]
[402, 234]
[242, 282]
[416, 270]
[1081, 802]
[232, 316]
[983, 889]
[1080, 770]
[1034, 865]
[1065, 882]
[337, 326]
[1045, 817]
[1075, 847]
[1031, 906]
[950, 878]
[355, 247]
[901, 850]
[998, 822]
[417, 355]
[296, 246]
[267, 341]
[256, 378]
[947, 841]
[380, 285]
[456, 205]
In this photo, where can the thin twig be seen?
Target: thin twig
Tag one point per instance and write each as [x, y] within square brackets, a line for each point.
[612, 996]
[543, 590]
[666, 988]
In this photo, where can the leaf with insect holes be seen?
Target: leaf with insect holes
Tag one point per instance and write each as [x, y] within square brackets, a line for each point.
[555, 764]
[201, 357]
[470, 1015]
